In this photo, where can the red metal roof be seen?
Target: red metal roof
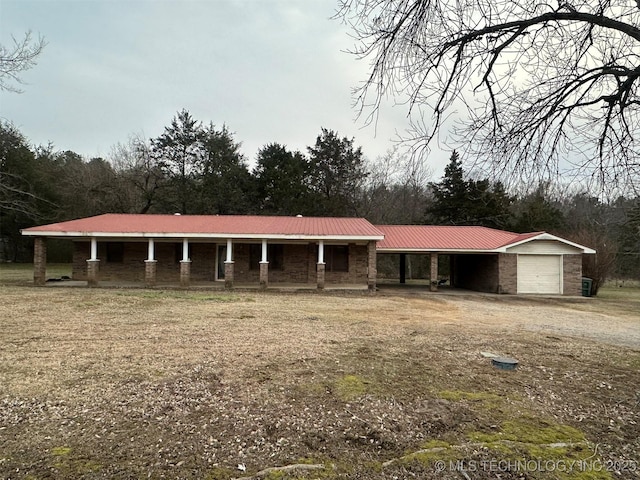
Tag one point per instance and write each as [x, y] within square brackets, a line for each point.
[212, 225]
[443, 238]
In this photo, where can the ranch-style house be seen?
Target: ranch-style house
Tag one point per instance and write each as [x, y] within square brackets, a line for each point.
[316, 251]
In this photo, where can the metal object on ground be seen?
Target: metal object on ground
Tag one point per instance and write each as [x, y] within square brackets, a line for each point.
[504, 363]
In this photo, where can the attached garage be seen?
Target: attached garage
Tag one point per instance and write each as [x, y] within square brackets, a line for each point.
[495, 261]
[540, 274]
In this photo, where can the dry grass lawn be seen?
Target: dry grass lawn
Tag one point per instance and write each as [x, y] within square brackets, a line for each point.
[192, 384]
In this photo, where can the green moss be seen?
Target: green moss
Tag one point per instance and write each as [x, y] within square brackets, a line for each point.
[350, 387]
[531, 431]
[435, 444]
[221, 473]
[531, 439]
[61, 451]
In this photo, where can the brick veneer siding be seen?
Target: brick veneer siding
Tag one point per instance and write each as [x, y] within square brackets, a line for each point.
[298, 263]
[132, 267]
[572, 274]
[507, 273]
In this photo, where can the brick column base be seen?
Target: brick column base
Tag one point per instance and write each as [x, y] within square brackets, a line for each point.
[185, 273]
[228, 275]
[433, 272]
[372, 269]
[93, 267]
[39, 261]
[150, 267]
[320, 277]
[264, 275]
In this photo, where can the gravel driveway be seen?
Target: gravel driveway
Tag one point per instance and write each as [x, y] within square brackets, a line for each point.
[556, 316]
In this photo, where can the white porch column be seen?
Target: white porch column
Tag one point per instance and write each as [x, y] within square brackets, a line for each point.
[150, 265]
[185, 250]
[320, 268]
[264, 251]
[229, 251]
[94, 248]
[151, 251]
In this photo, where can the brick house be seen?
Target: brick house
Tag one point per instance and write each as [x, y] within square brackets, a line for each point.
[245, 249]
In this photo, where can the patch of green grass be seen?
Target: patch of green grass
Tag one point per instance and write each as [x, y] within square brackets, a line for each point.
[71, 466]
[61, 451]
[350, 387]
[22, 273]
[457, 395]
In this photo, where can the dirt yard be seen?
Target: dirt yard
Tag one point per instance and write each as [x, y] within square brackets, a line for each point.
[183, 384]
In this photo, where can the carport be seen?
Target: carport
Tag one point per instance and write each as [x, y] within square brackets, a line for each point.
[489, 260]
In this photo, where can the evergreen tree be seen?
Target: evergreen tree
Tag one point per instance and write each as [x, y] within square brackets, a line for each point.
[468, 202]
[282, 182]
[337, 173]
[225, 184]
[179, 152]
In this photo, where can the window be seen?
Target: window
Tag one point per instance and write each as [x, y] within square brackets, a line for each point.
[275, 254]
[115, 252]
[336, 258]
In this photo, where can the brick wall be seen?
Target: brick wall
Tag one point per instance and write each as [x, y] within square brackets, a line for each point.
[572, 274]
[298, 265]
[507, 273]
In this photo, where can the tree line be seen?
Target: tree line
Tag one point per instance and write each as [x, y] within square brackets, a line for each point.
[196, 168]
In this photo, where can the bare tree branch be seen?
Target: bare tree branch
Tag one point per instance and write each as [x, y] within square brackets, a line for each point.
[21, 56]
[547, 90]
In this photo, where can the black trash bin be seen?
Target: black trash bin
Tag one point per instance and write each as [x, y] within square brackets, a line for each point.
[586, 286]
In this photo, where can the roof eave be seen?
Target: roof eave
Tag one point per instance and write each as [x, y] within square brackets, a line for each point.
[436, 250]
[182, 235]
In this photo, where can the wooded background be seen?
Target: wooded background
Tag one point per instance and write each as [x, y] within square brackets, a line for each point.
[197, 168]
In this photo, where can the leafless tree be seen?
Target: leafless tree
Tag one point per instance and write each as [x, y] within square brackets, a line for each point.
[540, 88]
[17, 58]
[138, 169]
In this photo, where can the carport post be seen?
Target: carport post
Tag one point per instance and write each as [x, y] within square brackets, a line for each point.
[228, 266]
[434, 272]
[403, 268]
[93, 264]
[264, 266]
[40, 261]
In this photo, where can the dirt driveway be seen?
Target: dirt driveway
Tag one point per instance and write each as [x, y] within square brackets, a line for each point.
[580, 318]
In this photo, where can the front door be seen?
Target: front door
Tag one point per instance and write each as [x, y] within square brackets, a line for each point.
[221, 256]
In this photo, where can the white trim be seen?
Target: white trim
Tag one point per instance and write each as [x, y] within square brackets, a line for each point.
[548, 236]
[209, 236]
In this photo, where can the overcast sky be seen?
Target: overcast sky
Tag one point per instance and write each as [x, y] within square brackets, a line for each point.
[272, 71]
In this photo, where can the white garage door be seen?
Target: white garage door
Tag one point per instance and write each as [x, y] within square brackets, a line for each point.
[539, 274]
